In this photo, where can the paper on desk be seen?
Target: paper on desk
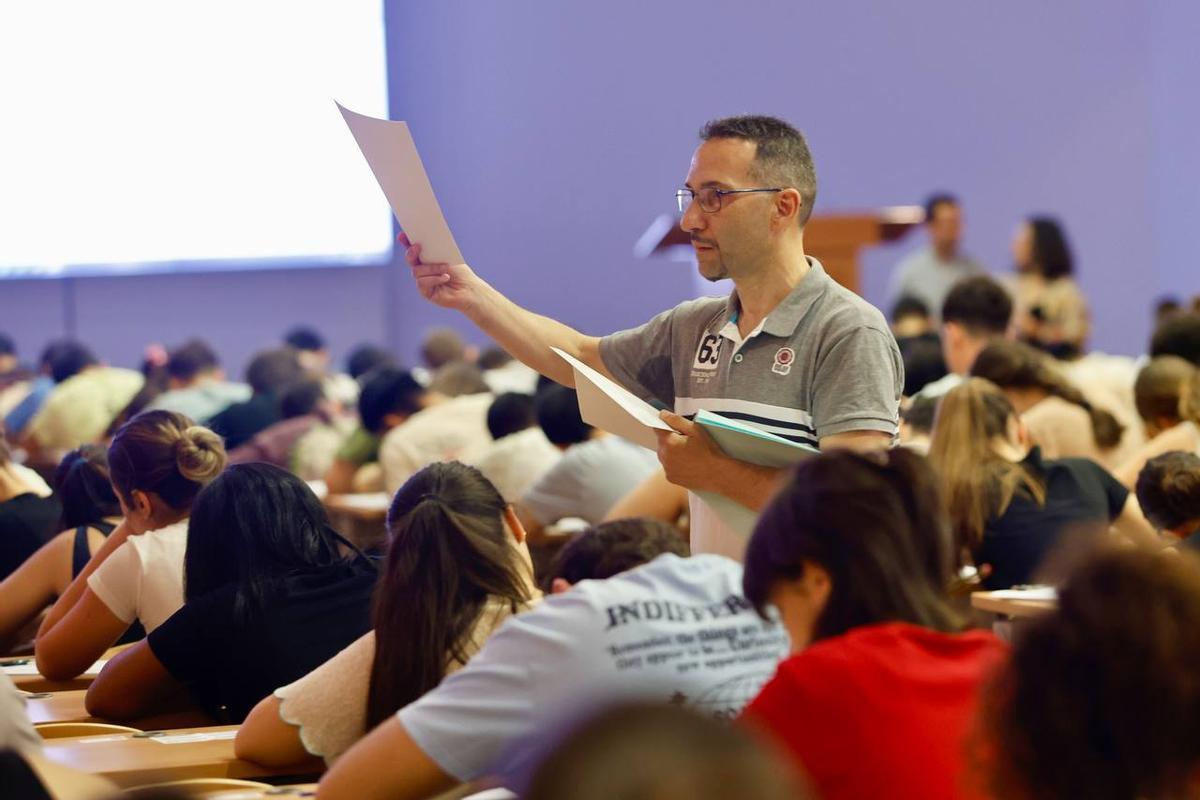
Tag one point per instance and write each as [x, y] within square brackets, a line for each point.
[1032, 593]
[188, 738]
[30, 668]
[392, 155]
[365, 501]
[607, 405]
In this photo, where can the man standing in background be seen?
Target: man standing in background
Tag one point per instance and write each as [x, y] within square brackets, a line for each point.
[928, 273]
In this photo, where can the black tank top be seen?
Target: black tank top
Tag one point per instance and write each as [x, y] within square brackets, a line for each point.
[81, 554]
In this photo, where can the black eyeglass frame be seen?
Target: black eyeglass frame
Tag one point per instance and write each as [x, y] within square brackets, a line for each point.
[685, 197]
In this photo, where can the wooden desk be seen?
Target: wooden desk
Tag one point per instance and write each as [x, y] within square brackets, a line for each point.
[129, 760]
[37, 683]
[360, 518]
[69, 707]
[1010, 606]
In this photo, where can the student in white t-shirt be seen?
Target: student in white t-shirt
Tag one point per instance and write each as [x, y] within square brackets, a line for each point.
[456, 568]
[675, 630]
[158, 461]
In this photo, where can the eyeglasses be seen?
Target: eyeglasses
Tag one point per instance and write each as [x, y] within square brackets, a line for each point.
[710, 197]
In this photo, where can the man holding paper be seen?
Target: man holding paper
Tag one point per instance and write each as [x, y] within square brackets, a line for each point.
[790, 351]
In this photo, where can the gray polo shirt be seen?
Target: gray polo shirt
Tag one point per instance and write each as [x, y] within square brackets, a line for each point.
[822, 362]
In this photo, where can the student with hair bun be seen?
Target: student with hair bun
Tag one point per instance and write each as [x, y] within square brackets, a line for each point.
[159, 461]
[271, 591]
[90, 512]
[1008, 505]
[1060, 420]
[1168, 488]
[457, 567]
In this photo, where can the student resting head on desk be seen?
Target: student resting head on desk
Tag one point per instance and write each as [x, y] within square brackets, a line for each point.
[456, 568]
[856, 556]
[269, 595]
[158, 462]
[90, 511]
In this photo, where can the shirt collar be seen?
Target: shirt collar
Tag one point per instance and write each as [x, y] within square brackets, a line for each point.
[784, 318]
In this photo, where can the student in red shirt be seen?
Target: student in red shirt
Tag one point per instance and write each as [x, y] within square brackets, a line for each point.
[880, 691]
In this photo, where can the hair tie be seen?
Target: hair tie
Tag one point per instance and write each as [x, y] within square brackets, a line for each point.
[427, 496]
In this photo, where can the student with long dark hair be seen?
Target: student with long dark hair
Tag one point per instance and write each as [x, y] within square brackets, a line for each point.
[1052, 313]
[1008, 505]
[457, 567]
[877, 697]
[90, 512]
[269, 595]
[158, 462]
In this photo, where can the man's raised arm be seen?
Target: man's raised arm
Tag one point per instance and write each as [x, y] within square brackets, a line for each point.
[527, 336]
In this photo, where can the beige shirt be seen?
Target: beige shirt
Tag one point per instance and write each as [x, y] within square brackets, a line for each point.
[143, 578]
[1064, 430]
[515, 462]
[452, 429]
[80, 408]
[329, 704]
[1065, 316]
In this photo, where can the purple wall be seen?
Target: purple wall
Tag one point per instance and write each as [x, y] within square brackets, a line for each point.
[554, 132]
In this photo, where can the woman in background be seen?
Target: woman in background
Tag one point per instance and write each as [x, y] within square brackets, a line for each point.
[1051, 311]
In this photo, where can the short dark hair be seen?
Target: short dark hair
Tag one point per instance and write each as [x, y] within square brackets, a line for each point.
[781, 155]
[83, 487]
[876, 523]
[1050, 253]
[558, 414]
[979, 304]
[1178, 336]
[509, 413]
[493, 358]
[251, 526]
[923, 362]
[190, 359]
[305, 338]
[7, 346]
[1168, 489]
[273, 371]
[611, 548]
[458, 378]
[938, 199]
[387, 390]
[920, 414]
[909, 306]
[66, 358]
[1099, 697]
[301, 399]
[366, 357]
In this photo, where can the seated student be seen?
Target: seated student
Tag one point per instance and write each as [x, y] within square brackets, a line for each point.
[1178, 336]
[596, 469]
[519, 453]
[154, 384]
[158, 463]
[86, 398]
[457, 567]
[610, 548]
[90, 511]
[268, 596]
[916, 423]
[310, 419]
[27, 514]
[1058, 417]
[674, 630]
[504, 373]
[16, 381]
[920, 345]
[269, 374]
[642, 750]
[1158, 390]
[451, 425]
[977, 312]
[389, 396]
[878, 695]
[1099, 698]
[314, 357]
[1008, 506]
[1168, 489]
[196, 385]
[39, 387]
[366, 358]
[1184, 435]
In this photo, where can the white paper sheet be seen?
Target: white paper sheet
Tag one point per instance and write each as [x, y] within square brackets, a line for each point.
[365, 501]
[31, 668]
[188, 738]
[607, 405]
[1032, 593]
[390, 151]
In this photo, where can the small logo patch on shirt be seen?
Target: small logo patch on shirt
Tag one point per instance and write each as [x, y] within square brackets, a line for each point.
[784, 357]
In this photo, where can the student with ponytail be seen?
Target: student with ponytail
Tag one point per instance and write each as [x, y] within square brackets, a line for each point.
[158, 462]
[270, 594]
[457, 567]
[1008, 505]
[1058, 417]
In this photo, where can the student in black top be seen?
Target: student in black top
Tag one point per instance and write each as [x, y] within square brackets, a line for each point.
[27, 520]
[1168, 488]
[90, 511]
[269, 374]
[268, 596]
[1008, 506]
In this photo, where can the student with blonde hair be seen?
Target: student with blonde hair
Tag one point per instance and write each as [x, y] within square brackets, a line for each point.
[1008, 505]
[158, 461]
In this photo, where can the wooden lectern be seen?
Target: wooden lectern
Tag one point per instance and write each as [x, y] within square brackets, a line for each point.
[833, 239]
